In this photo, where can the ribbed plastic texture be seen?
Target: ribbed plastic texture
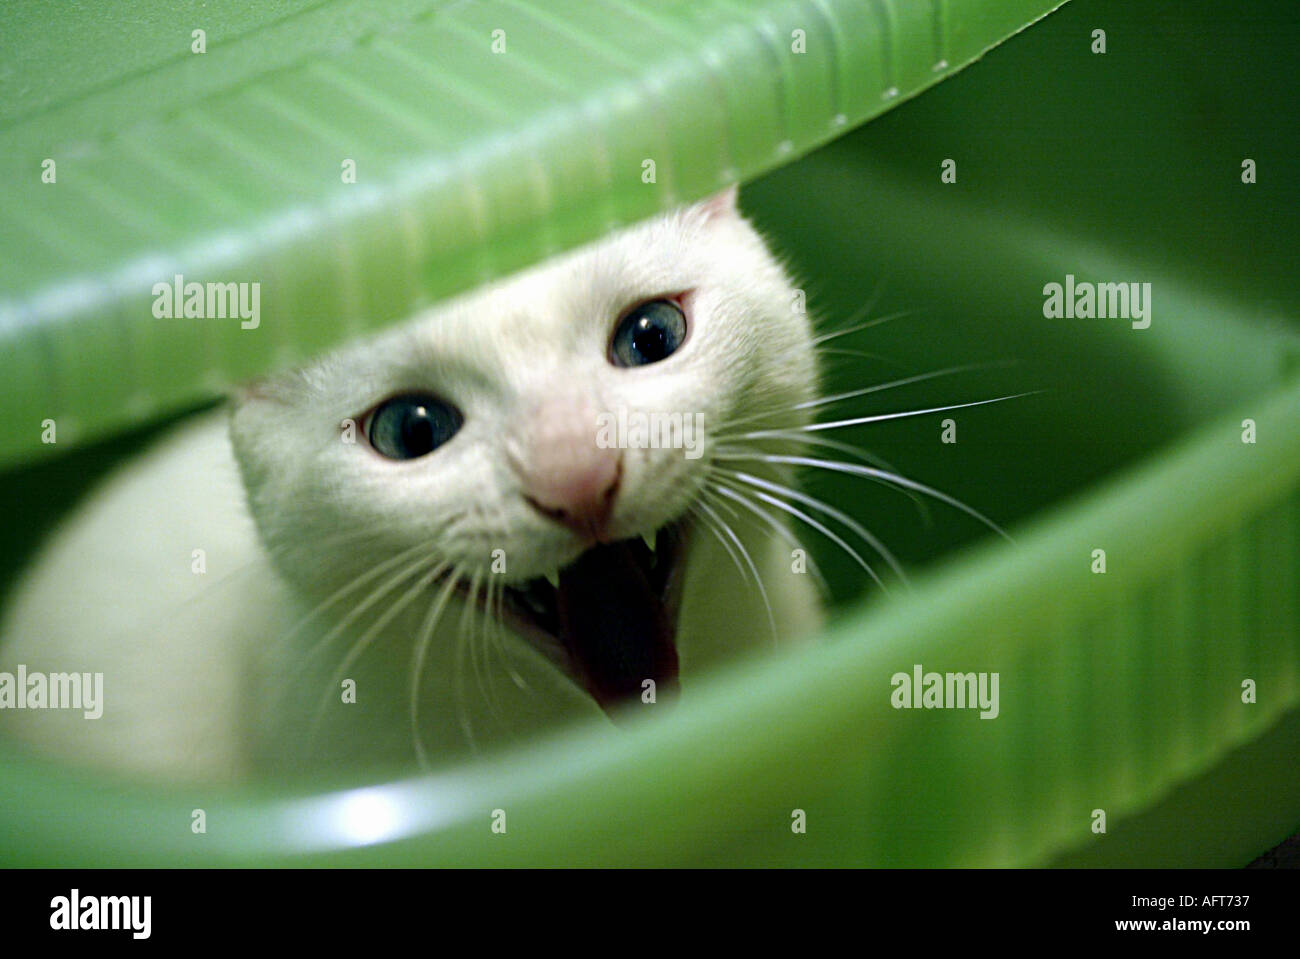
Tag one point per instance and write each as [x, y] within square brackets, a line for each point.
[484, 135]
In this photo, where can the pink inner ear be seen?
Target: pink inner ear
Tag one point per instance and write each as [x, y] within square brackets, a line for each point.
[722, 203]
[253, 390]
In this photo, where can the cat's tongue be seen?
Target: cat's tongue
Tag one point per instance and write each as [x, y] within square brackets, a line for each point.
[614, 625]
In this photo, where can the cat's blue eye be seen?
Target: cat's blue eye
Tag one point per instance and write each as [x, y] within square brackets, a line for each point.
[412, 425]
[648, 334]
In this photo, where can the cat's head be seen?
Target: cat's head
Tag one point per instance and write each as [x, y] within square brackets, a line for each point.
[545, 424]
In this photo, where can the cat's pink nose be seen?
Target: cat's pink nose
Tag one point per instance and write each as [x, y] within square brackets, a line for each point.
[566, 474]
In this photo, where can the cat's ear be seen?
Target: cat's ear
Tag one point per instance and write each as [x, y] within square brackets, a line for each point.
[721, 204]
[249, 391]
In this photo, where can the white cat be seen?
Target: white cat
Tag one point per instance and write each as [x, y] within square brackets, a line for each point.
[357, 566]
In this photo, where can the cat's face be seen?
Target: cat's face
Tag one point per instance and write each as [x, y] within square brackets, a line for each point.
[488, 435]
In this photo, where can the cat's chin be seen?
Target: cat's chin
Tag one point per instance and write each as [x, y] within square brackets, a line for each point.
[610, 616]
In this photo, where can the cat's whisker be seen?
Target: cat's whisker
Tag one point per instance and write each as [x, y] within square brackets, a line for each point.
[489, 597]
[363, 643]
[892, 479]
[749, 562]
[348, 588]
[730, 532]
[418, 654]
[738, 516]
[862, 311]
[728, 426]
[502, 642]
[731, 510]
[263, 565]
[826, 509]
[861, 355]
[708, 524]
[825, 531]
[375, 596]
[479, 643]
[896, 384]
[858, 327]
[466, 725]
[777, 527]
[865, 456]
[881, 417]
[388, 616]
[490, 635]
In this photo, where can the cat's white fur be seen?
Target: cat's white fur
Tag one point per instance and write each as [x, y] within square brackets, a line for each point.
[205, 676]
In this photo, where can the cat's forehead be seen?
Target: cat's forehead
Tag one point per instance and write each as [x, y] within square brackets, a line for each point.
[550, 301]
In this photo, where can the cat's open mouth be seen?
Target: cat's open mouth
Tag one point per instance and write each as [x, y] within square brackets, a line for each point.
[614, 613]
